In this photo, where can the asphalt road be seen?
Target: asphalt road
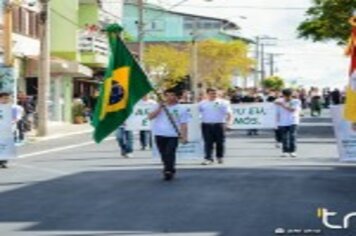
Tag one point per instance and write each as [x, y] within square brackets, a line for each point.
[71, 186]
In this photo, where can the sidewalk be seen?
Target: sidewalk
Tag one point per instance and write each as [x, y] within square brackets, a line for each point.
[59, 130]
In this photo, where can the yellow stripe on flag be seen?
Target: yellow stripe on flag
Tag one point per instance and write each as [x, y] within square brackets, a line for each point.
[350, 105]
[121, 76]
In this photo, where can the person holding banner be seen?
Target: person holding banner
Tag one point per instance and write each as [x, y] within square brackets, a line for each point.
[145, 135]
[169, 123]
[288, 115]
[216, 114]
[124, 139]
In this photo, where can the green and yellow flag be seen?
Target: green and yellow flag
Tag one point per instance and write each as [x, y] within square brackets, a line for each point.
[124, 85]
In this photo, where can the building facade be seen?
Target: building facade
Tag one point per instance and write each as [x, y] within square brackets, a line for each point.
[161, 25]
[79, 50]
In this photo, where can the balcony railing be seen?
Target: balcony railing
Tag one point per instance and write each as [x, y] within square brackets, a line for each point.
[94, 42]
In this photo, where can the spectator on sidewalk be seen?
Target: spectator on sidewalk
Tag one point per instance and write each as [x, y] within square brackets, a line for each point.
[315, 102]
[272, 97]
[165, 134]
[336, 97]
[216, 114]
[288, 114]
[19, 125]
[29, 109]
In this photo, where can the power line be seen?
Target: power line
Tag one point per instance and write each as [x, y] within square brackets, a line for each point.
[250, 7]
[233, 6]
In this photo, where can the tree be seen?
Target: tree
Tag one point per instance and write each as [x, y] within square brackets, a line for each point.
[328, 20]
[219, 61]
[166, 64]
[273, 82]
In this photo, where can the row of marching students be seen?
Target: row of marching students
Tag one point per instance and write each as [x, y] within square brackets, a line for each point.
[216, 116]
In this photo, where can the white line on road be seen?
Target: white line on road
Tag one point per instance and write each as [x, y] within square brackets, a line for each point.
[48, 170]
[59, 149]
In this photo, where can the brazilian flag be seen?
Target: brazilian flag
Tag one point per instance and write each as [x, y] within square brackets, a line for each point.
[124, 85]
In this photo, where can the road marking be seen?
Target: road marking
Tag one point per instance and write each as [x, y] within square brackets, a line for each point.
[59, 149]
[48, 170]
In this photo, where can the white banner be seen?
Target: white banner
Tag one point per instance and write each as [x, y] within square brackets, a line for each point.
[254, 116]
[194, 148]
[345, 133]
[7, 144]
[139, 118]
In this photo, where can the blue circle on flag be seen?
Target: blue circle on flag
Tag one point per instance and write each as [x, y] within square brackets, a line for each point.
[117, 93]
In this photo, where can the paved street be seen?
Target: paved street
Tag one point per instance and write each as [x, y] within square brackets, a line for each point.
[71, 186]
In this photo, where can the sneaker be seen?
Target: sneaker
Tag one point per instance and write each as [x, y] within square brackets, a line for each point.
[220, 161]
[167, 176]
[284, 154]
[293, 154]
[278, 145]
[129, 155]
[207, 162]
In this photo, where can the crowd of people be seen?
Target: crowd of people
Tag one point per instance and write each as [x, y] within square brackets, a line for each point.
[169, 121]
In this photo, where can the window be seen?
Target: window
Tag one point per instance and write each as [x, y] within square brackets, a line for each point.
[157, 25]
[25, 22]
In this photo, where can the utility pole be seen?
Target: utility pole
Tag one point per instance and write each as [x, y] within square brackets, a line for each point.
[140, 30]
[257, 58]
[271, 64]
[263, 73]
[194, 69]
[44, 71]
[7, 34]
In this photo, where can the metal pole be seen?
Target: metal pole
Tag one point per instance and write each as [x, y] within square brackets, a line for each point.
[257, 57]
[194, 73]
[271, 61]
[262, 62]
[140, 30]
[7, 37]
[44, 72]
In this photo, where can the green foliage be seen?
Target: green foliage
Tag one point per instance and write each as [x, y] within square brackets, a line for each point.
[218, 61]
[127, 37]
[328, 20]
[78, 110]
[273, 82]
[167, 65]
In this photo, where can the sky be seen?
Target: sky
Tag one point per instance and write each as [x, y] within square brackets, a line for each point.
[300, 60]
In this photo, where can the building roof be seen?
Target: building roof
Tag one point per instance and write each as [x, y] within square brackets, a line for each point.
[159, 8]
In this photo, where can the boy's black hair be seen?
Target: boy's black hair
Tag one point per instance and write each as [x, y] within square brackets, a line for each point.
[211, 90]
[4, 94]
[287, 92]
[177, 92]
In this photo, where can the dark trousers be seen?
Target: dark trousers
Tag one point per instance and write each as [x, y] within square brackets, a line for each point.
[213, 134]
[278, 135]
[145, 138]
[289, 140]
[167, 147]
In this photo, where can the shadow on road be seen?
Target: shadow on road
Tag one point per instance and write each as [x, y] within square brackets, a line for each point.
[228, 201]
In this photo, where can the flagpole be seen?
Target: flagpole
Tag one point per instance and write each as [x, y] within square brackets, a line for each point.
[160, 99]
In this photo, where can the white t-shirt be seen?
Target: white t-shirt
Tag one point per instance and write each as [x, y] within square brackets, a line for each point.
[214, 111]
[285, 117]
[162, 126]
